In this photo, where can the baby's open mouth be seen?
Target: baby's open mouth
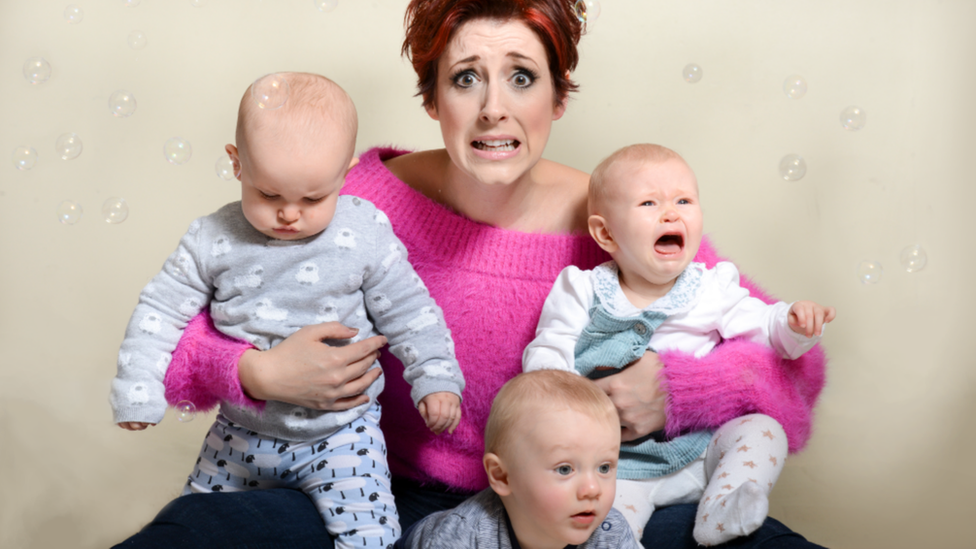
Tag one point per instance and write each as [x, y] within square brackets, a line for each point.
[496, 145]
[669, 244]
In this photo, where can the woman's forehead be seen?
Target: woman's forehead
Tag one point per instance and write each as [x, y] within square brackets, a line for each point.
[479, 38]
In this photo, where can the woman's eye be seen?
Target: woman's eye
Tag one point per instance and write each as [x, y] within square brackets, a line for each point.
[605, 468]
[465, 79]
[564, 469]
[523, 80]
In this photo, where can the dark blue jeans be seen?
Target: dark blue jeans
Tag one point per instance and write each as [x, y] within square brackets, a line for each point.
[279, 518]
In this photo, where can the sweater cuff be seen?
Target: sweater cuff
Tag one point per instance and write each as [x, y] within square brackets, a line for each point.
[204, 368]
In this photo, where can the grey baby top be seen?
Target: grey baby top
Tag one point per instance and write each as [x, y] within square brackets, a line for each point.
[480, 522]
[262, 290]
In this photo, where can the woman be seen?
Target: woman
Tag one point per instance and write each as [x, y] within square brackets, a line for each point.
[488, 224]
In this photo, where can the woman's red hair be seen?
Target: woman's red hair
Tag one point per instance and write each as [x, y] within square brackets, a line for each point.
[431, 23]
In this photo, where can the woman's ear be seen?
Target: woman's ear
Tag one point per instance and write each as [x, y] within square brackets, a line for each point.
[497, 475]
[235, 159]
[432, 110]
[560, 109]
[601, 233]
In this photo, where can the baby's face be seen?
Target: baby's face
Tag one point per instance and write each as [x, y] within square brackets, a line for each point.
[286, 193]
[653, 214]
[562, 473]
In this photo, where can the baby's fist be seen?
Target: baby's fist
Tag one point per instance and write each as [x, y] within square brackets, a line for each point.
[134, 425]
[441, 411]
[807, 318]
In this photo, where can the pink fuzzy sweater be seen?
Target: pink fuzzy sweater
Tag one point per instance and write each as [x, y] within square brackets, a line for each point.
[491, 284]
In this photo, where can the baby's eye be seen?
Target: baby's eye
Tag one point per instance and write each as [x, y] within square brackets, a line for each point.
[605, 468]
[268, 196]
[684, 201]
[314, 200]
[564, 469]
[647, 203]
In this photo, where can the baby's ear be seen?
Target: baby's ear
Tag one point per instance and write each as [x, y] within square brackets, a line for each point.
[497, 474]
[235, 159]
[601, 233]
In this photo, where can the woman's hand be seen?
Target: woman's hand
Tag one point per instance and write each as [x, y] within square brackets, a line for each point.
[305, 371]
[640, 400]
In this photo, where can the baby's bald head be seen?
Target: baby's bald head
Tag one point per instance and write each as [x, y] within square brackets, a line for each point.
[316, 112]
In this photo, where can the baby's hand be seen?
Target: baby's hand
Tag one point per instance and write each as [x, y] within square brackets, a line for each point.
[441, 411]
[807, 318]
[134, 425]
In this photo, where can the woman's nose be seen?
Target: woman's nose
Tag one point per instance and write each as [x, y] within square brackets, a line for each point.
[493, 107]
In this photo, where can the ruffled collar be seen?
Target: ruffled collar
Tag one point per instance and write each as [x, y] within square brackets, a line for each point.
[680, 298]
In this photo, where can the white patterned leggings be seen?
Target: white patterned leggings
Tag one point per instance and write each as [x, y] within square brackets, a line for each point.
[345, 474]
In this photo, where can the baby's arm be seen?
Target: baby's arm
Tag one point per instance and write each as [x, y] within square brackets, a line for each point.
[807, 318]
[564, 315]
[165, 305]
[403, 311]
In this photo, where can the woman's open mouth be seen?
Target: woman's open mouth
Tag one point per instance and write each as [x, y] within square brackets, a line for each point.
[496, 145]
[670, 244]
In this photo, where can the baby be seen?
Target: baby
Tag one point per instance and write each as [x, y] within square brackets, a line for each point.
[551, 447]
[293, 252]
[644, 212]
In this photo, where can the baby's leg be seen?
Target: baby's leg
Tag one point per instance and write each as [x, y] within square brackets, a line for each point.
[227, 462]
[744, 460]
[350, 485]
[638, 499]
[633, 500]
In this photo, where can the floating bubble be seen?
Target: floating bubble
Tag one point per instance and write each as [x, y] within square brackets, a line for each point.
[68, 146]
[74, 14]
[225, 168]
[853, 118]
[69, 213]
[122, 103]
[115, 210]
[792, 167]
[587, 11]
[131, 3]
[24, 158]
[137, 40]
[914, 258]
[270, 91]
[197, 3]
[186, 411]
[177, 151]
[869, 272]
[795, 86]
[37, 70]
[691, 73]
[325, 6]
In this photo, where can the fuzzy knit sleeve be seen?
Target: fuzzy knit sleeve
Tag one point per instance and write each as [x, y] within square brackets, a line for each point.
[204, 368]
[739, 377]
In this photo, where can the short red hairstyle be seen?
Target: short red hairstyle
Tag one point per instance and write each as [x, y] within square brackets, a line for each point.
[431, 23]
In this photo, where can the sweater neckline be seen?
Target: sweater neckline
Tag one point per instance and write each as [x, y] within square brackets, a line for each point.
[450, 236]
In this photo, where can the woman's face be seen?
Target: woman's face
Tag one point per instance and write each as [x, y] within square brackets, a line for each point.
[495, 100]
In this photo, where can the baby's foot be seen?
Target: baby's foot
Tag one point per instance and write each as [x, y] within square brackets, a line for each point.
[738, 513]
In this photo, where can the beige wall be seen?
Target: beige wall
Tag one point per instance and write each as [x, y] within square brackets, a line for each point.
[885, 467]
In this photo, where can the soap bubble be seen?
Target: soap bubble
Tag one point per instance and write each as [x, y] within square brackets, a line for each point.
[853, 118]
[69, 213]
[24, 158]
[869, 272]
[122, 103]
[792, 167]
[73, 14]
[225, 168]
[270, 91]
[914, 258]
[325, 6]
[130, 3]
[177, 151]
[587, 11]
[691, 73]
[68, 146]
[185, 411]
[137, 40]
[37, 70]
[115, 210]
[197, 3]
[795, 86]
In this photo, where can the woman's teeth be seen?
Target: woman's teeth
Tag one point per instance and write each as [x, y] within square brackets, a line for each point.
[496, 145]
